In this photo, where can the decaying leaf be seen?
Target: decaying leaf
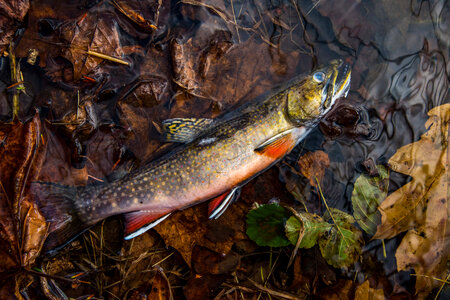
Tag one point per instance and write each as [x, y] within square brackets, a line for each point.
[265, 225]
[421, 206]
[341, 246]
[313, 165]
[161, 289]
[309, 226]
[23, 228]
[220, 71]
[365, 292]
[11, 13]
[185, 229]
[367, 194]
[91, 34]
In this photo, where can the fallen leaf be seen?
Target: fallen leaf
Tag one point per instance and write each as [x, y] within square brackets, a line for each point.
[421, 206]
[309, 226]
[342, 290]
[265, 225]
[341, 246]
[161, 289]
[11, 14]
[220, 71]
[94, 32]
[365, 292]
[185, 229]
[206, 261]
[313, 165]
[23, 228]
[368, 193]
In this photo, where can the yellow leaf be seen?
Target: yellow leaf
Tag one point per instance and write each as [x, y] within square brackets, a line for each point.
[421, 206]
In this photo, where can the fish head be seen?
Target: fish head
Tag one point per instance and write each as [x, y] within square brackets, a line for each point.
[313, 95]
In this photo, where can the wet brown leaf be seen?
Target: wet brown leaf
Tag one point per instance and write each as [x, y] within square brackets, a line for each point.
[342, 290]
[160, 287]
[205, 261]
[202, 286]
[421, 206]
[222, 72]
[365, 292]
[23, 228]
[313, 165]
[11, 13]
[94, 32]
[185, 229]
[150, 16]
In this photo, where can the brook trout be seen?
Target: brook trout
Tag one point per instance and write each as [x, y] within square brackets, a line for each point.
[214, 159]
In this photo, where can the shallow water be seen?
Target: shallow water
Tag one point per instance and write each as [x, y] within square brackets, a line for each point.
[206, 57]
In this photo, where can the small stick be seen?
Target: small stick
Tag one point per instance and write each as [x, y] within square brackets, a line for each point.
[107, 57]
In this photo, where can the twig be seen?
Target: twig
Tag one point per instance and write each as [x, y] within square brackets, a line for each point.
[442, 286]
[107, 57]
[274, 293]
[329, 211]
[55, 277]
[299, 239]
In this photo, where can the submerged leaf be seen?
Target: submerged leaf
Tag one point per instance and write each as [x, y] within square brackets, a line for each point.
[310, 227]
[421, 206]
[367, 194]
[341, 246]
[313, 164]
[265, 225]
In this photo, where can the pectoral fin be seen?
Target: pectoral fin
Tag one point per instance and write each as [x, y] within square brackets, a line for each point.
[218, 205]
[138, 222]
[183, 130]
[278, 145]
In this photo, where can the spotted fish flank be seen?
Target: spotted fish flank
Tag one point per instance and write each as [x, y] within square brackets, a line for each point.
[213, 160]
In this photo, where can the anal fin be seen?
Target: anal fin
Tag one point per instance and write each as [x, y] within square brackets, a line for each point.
[218, 205]
[140, 221]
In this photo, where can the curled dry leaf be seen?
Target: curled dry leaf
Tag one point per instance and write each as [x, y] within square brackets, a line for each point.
[23, 228]
[313, 165]
[421, 206]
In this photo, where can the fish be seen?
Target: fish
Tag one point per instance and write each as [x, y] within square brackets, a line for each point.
[213, 159]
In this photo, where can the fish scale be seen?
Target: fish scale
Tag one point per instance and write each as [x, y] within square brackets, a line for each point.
[213, 160]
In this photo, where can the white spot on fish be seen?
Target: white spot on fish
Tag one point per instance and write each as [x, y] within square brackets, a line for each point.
[207, 141]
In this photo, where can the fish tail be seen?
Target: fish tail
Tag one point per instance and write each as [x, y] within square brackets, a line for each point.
[57, 204]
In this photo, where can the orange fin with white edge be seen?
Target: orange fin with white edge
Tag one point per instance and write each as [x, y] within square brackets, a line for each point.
[218, 205]
[278, 145]
[138, 222]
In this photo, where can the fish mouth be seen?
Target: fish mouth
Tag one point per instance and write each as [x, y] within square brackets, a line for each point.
[342, 81]
[338, 83]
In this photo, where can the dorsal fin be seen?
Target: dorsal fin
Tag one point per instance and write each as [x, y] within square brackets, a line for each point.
[183, 130]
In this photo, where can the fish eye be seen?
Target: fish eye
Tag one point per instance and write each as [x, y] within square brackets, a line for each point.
[319, 77]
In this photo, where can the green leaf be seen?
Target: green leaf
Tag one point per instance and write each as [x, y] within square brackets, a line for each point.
[265, 225]
[309, 226]
[341, 245]
[367, 195]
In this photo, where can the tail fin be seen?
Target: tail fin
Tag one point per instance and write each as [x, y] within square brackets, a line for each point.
[57, 204]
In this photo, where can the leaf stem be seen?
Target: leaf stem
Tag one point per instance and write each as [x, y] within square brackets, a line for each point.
[329, 211]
